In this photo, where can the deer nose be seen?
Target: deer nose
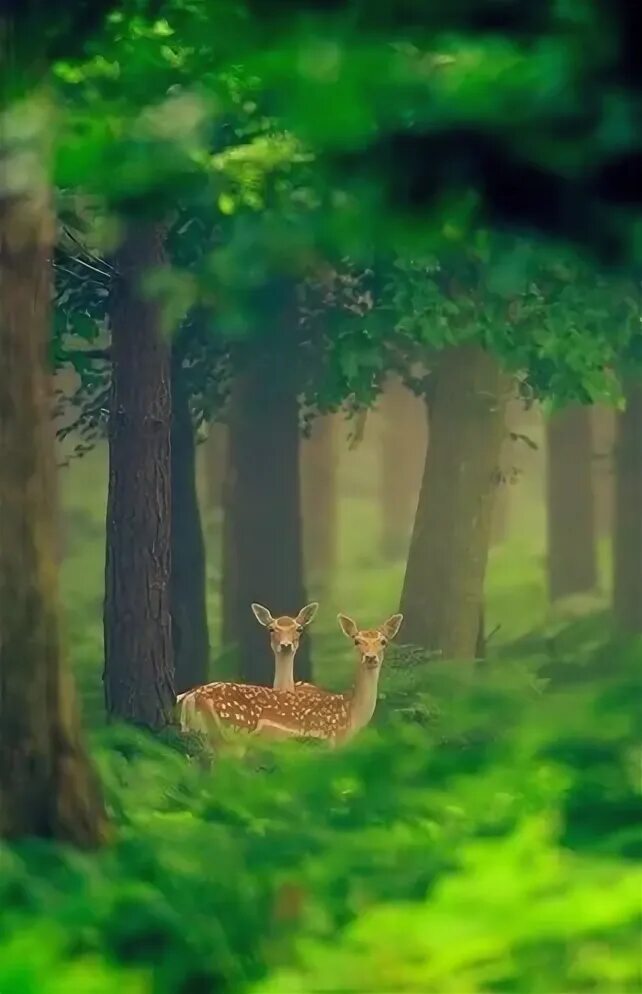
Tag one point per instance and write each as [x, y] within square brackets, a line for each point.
[285, 645]
[370, 658]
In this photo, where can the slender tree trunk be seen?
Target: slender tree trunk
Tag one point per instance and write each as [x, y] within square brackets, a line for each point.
[139, 666]
[263, 516]
[627, 539]
[572, 552]
[403, 442]
[47, 787]
[229, 563]
[214, 464]
[319, 499]
[190, 634]
[442, 595]
[604, 427]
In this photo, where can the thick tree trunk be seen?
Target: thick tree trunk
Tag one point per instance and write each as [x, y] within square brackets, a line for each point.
[263, 513]
[319, 499]
[190, 634]
[443, 588]
[627, 539]
[403, 442]
[572, 552]
[139, 666]
[47, 787]
[604, 427]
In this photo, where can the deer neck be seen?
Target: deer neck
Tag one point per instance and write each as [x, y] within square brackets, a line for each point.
[283, 671]
[364, 699]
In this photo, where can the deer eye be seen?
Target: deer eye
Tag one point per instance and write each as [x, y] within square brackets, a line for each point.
[271, 628]
[299, 628]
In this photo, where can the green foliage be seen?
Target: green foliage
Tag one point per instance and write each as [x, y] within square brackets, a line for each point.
[468, 846]
[197, 117]
[567, 329]
[533, 111]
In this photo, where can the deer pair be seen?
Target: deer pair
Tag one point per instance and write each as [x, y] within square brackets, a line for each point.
[289, 709]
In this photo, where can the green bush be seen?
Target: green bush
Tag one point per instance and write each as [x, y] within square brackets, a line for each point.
[484, 836]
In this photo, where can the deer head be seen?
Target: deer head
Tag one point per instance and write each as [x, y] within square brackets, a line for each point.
[285, 632]
[285, 635]
[370, 642]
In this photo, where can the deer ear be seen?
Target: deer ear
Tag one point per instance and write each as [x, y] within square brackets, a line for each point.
[306, 614]
[347, 626]
[262, 615]
[391, 627]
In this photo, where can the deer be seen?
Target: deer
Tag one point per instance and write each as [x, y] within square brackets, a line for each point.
[239, 704]
[285, 634]
[269, 713]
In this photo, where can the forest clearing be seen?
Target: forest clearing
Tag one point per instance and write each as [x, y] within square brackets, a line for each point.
[320, 498]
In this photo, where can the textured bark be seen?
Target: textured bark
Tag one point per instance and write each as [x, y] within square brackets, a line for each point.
[319, 499]
[403, 442]
[604, 427]
[263, 541]
[627, 538]
[190, 634]
[139, 667]
[572, 551]
[443, 588]
[47, 787]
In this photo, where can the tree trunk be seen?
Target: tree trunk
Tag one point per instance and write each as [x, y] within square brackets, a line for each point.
[139, 666]
[229, 563]
[263, 513]
[190, 634]
[572, 552]
[627, 539]
[319, 499]
[604, 426]
[214, 462]
[501, 506]
[403, 442]
[47, 787]
[442, 595]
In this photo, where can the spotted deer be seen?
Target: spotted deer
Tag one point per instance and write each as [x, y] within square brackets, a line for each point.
[285, 634]
[335, 717]
[270, 713]
[240, 704]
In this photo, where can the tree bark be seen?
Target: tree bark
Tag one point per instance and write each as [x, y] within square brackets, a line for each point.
[139, 665]
[604, 427]
[263, 513]
[319, 499]
[572, 551]
[190, 634]
[403, 442]
[47, 786]
[442, 595]
[627, 538]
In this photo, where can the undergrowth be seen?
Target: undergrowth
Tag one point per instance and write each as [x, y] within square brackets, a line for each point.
[484, 836]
